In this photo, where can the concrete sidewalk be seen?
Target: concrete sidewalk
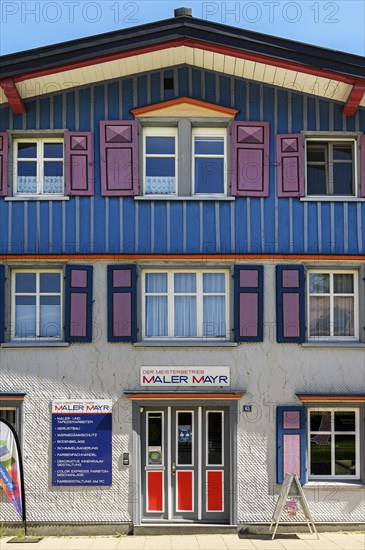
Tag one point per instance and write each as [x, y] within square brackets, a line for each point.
[327, 541]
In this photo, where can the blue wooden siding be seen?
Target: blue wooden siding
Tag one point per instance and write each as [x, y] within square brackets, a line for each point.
[100, 225]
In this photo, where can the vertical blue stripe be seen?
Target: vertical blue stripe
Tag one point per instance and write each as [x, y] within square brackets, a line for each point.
[312, 228]
[85, 237]
[44, 120]
[142, 91]
[240, 99]
[192, 227]
[350, 124]
[31, 117]
[85, 106]
[98, 236]
[57, 111]
[225, 91]
[311, 113]
[225, 227]
[255, 225]
[44, 245]
[240, 216]
[324, 115]
[160, 218]
[127, 94]
[326, 228]
[183, 81]
[168, 94]
[297, 113]
[155, 88]
[32, 227]
[282, 109]
[337, 117]
[339, 229]
[209, 228]
[283, 228]
[113, 103]
[17, 227]
[298, 227]
[57, 227]
[114, 222]
[71, 226]
[176, 227]
[144, 227]
[129, 244]
[197, 92]
[210, 95]
[269, 202]
[70, 111]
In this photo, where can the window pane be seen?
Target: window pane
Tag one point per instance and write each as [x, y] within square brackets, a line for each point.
[214, 282]
[155, 451]
[50, 282]
[316, 152]
[185, 282]
[53, 150]
[316, 176]
[25, 316]
[160, 166]
[214, 316]
[343, 316]
[342, 179]
[27, 150]
[25, 282]
[320, 421]
[27, 177]
[343, 283]
[319, 283]
[9, 415]
[319, 316]
[53, 177]
[156, 316]
[320, 453]
[156, 282]
[50, 312]
[345, 455]
[345, 421]
[209, 175]
[185, 438]
[215, 438]
[160, 145]
[342, 152]
[185, 316]
[209, 146]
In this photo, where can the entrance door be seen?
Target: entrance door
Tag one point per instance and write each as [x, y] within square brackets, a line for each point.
[185, 464]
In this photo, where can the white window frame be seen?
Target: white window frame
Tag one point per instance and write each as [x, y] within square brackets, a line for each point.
[40, 164]
[156, 131]
[329, 167]
[331, 295]
[332, 432]
[38, 296]
[199, 307]
[209, 132]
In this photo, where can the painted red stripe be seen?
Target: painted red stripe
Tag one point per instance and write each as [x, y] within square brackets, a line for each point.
[155, 491]
[214, 491]
[185, 491]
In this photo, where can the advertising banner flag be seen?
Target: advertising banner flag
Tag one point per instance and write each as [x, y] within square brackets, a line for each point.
[11, 475]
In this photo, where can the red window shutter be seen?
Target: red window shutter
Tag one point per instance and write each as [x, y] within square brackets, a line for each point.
[79, 165]
[4, 152]
[290, 165]
[119, 157]
[250, 159]
[362, 166]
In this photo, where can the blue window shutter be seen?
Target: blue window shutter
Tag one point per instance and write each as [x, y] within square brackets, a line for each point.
[249, 303]
[122, 303]
[290, 303]
[78, 303]
[291, 441]
[2, 303]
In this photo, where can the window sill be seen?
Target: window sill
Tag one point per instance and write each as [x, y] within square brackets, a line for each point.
[38, 198]
[332, 483]
[334, 344]
[184, 343]
[182, 198]
[34, 344]
[332, 199]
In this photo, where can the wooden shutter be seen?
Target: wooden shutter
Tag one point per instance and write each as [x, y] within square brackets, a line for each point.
[4, 160]
[78, 303]
[362, 166]
[122, 303]
[250, 159]
[2, 303]
[290, 165]
[290, 303]
[249, 303]
[291, 442]
[119, 157]
[79, 163]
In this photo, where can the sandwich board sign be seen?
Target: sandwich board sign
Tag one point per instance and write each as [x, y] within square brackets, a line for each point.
[291, 488]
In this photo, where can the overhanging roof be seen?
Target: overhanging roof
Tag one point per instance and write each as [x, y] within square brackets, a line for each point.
[185, 40]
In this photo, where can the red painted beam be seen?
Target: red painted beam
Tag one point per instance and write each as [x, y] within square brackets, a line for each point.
[13, 96]
[353, 101]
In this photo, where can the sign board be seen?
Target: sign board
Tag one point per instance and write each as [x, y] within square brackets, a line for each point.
[291, 487]
[82, 443]
[185, 376]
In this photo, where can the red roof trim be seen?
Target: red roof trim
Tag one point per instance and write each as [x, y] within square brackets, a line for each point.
[353, 101]
[197, 44]
[12, 94]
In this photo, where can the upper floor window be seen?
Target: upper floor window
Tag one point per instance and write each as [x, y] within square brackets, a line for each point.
[38, 166]
[208, 161]
[331, 167]
[333, 304]
[160, 161]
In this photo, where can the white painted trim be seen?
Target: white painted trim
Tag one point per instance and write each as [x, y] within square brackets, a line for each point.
[177, 490]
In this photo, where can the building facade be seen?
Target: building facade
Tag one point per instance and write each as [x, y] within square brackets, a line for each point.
[182, 231]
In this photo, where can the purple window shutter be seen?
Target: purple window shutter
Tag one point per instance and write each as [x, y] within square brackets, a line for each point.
[249, 303]
[290, 165]
[290, 315]
[122, 303]
[119, 157]
[250, 159]
[362, 166]
[4, 152]
[79, 163]
[78, 303]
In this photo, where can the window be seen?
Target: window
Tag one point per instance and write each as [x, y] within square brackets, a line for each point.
[160, 161]
[208, 161]
[331, 167]
[38, 166]
[334, 443]
[333, 304]
[185, 304]
[36, 304]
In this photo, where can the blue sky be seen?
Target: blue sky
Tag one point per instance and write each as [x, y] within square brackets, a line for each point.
[28, 24]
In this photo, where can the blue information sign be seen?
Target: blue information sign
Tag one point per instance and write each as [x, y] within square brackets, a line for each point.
[82, 443]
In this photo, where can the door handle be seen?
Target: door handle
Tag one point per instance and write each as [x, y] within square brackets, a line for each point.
[173, 469]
